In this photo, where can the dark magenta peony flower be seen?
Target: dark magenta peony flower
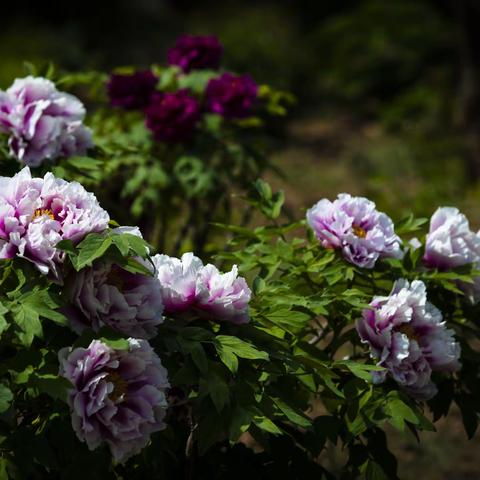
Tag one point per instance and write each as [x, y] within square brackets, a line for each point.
[196, 52]
[232, 96]
[172, 117]
[131, 91]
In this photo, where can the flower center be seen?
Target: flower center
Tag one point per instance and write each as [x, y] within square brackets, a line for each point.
[40, 212]
[116, 278]
[409, 331]
[359, 232]
[119, 386]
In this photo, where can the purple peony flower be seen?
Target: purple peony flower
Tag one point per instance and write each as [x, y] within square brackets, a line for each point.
[231, 96]
[407, 336]
[225, 296]
[118, 396]
[177, 279]
[196, 52]
[37, 213]
[42, 123]
[106, 294]
[353, 225]
[172, 117]
[450, 242]
[131, 91]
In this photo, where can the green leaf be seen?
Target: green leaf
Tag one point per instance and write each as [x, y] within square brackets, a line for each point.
[375, 472]
[229, 348]
[289, 319]
[228, 358]
[216, 387]
[399, 412]
[266, 424]
[137, 244]
[45, 305]
[241, 419]
[84, 163]
[293, 416]
[264, 190]
[361, 370]
[52, 385]
[28, 320]
[92, 247]
[3, 321]
[6, 398]
[241, 348]
[199, 358]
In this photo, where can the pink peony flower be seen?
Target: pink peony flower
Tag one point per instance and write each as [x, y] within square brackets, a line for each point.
[225, 296]
[42, 122]
[177, 279]
[187, 284]
[37, 213]
[450, 242]
[407, 336]
[354, 226]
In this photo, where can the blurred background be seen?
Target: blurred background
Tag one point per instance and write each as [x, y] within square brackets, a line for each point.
[388, 106]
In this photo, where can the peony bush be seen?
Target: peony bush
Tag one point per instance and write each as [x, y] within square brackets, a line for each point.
[168, 147]
[126, 354]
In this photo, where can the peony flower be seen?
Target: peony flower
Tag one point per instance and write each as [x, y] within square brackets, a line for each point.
[187, 284]
[118, 396]
[225, 296]
[231, 96]
[450, 242]
[196, 52]
[172, 117]
[106, 294]
[354, 226]
[131, 91]
[177, 279]
[37, 213]
[42, 122]
[407, 336]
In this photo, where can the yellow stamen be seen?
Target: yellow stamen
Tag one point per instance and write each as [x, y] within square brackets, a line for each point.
[119, 386]
[359, 232]
[40, 212]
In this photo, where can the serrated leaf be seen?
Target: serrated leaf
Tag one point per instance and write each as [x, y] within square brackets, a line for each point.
[28, 321]
[239, 347]
[399, 412]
